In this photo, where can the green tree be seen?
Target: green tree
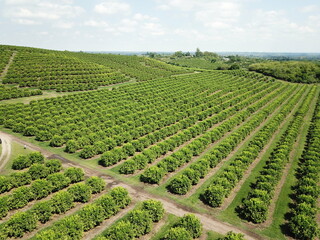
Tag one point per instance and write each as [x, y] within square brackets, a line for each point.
[122, 230]
[91, 215]
[74, 174]
[53, 165]
[97, 184]
[38, 171]
[61, 202]
[21, 223]
[40, 188]
[180, 185]
[177, 233]
[192, 224]
[155, 209]
[58, 181]
[43, 211]
[21, 162]
[80, 192]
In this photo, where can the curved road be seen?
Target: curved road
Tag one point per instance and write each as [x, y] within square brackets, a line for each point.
[6, 150]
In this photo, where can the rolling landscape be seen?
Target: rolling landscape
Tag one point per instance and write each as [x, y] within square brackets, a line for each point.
[159, 120]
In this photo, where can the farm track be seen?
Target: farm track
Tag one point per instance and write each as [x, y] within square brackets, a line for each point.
[4, 73]
[6, 150]
[288, 168]
[234, 192]
[138, 193]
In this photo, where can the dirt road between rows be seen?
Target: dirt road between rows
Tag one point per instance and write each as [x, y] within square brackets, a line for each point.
[6, 150]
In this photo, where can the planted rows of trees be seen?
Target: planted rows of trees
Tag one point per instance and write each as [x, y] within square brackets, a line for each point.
[212, 196]
[192, 127]
[53, 70]
[187, 227]
[97, 122]
[194, 148]
[15, 92]
[88, 217]
[140, 68]
[302, 222]
[182, 183]
[41, 183]
[229, 177]
[255, 206]
[136, 223]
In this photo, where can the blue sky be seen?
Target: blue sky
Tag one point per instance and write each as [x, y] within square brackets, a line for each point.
[162, 25]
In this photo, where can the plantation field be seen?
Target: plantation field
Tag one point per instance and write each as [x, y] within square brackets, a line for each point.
[238, 149]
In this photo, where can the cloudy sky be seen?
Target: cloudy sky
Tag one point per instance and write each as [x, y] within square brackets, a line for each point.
[162, 25]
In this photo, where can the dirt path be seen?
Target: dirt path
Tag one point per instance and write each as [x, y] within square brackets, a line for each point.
[234, 192]
[6, 150]
[4, 73]
[138, 193]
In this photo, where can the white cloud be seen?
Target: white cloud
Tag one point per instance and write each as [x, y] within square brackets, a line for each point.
[310, 8]
[112, 7]
[216, 14]
[64, 25]
[93, 23]
[26, 22]
[37, 11]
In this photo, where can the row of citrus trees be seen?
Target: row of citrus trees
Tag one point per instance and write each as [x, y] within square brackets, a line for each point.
[302, 222]
[191, 175]
[15, 92]
[198, 145]
[140, 68]
[111, 118]
[229, 177]
[58, 72]
[256, 205]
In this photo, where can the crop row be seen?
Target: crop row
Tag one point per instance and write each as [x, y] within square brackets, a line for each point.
[181, 184]
[196, 127]
[113, 158]
[136, 223]
[14, 92]
[34, 160]
[55, 71]
[45, 183]
[140, 68]
[302, 221]
[229, 177]
[255, 206]
[187, 227]
[170, 163]
[23, 222]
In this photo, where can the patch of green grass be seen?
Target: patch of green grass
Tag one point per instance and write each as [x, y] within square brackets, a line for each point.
[213, 235]
[170, 220]
[16, 150]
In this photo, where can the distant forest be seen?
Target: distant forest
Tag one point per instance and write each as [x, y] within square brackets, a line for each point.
[291, 71]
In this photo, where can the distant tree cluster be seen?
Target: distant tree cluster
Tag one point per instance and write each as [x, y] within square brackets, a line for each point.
[293, 71]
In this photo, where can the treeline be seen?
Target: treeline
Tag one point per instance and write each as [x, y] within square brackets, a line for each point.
[293, 71]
